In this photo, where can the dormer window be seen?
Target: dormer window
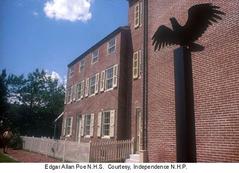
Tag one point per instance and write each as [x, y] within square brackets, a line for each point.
[111, 46]
[94, 56]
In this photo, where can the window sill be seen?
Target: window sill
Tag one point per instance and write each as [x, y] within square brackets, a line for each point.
[87, 136]
[91, 95]
[67, 136]
[110, 89]
[92, 63]
[105, 137]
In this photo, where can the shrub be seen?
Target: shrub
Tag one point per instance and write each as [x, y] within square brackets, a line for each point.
[16, 142]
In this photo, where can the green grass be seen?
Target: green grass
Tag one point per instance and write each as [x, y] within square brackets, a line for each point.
[4, 158]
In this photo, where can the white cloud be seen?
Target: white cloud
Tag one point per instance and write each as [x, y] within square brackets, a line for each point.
[71, 10]
[54, 75]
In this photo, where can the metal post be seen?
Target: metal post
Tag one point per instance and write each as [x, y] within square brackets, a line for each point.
[185, 125]
[54, 130]
[132, 145]
[64, 150]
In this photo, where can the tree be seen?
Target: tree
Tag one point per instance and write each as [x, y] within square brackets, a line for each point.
[35, 102]
[3, 100]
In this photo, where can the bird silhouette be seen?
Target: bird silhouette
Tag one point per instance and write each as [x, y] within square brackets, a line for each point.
[200, 17]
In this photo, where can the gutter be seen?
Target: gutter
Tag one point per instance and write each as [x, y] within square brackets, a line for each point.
[145, 80]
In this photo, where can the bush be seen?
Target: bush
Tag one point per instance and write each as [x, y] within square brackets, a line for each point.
[16, 142]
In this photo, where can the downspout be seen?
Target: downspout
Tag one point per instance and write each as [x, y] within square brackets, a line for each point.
[145, 81]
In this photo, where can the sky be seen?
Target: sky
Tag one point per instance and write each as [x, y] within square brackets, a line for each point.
[49, 34]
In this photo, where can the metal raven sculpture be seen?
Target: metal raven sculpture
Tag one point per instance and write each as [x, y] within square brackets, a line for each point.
[200, 16]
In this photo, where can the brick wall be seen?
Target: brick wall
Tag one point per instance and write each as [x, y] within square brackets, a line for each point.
[102, 101]
[136, 84]
[215, 79]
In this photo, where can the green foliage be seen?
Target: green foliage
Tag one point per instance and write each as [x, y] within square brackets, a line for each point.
[34, 102]
[16, 142]
[3, 101]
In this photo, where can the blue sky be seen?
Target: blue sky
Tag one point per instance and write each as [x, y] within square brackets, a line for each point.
[49, 34]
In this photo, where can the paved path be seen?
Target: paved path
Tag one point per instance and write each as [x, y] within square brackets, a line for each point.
[25, 156]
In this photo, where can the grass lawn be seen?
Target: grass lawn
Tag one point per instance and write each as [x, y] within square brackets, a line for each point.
[4, 158]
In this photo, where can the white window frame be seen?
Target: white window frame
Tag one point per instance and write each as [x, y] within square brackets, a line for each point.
[81, 65]
[92, 85]
[70, 72]
[102, 81]
[107, 79]
[137, 15]
[68, 127]
[95, 56]
[87, 126]
[80, 90]
[68, 92]
[109, 47]
[110, 124]
[136, 65]
[104, 124]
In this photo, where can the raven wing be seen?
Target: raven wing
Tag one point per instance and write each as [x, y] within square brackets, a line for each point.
[199, 18]
[162, 37]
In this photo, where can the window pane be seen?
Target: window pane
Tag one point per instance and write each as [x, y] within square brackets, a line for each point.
[111, 45]
[78, 90]
[95, 55]
[106, 123]
[82, 65]
[68, 126]
[87, 125]
[109, 84]
[109, 78]
[92, 85]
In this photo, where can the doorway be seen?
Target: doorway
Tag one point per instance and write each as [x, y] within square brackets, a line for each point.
[138, 129]
[78, 127]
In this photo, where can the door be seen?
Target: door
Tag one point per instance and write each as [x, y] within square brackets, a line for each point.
[138, 129]
[79, 124]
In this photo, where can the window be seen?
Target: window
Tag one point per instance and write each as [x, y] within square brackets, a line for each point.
[87, 124]
[68, 99]
[68, 126]
[136, 65]
[109, 78]
[111, 46]
[106, 124]
[95, 56]
[92, 85]
[81, 65]
[137, 15]
[102, 81]
[70, 72]
[80, 90]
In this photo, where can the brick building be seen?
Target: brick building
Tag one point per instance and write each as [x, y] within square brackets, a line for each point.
[146, 99]
[96, 94]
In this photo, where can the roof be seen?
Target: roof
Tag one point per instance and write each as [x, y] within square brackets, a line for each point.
[59, 117]
[108, 37]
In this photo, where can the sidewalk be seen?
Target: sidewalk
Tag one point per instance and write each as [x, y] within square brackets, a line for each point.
[25, 156]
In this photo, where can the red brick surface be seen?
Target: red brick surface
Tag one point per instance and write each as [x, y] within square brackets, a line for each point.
[110, 100]
[137, 84]
[25, 156]
[216, 81]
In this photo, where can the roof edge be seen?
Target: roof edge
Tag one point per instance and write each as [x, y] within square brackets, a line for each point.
[116, 31]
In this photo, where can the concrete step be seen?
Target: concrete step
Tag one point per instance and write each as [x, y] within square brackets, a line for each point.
[134, 158]
[131, 161]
